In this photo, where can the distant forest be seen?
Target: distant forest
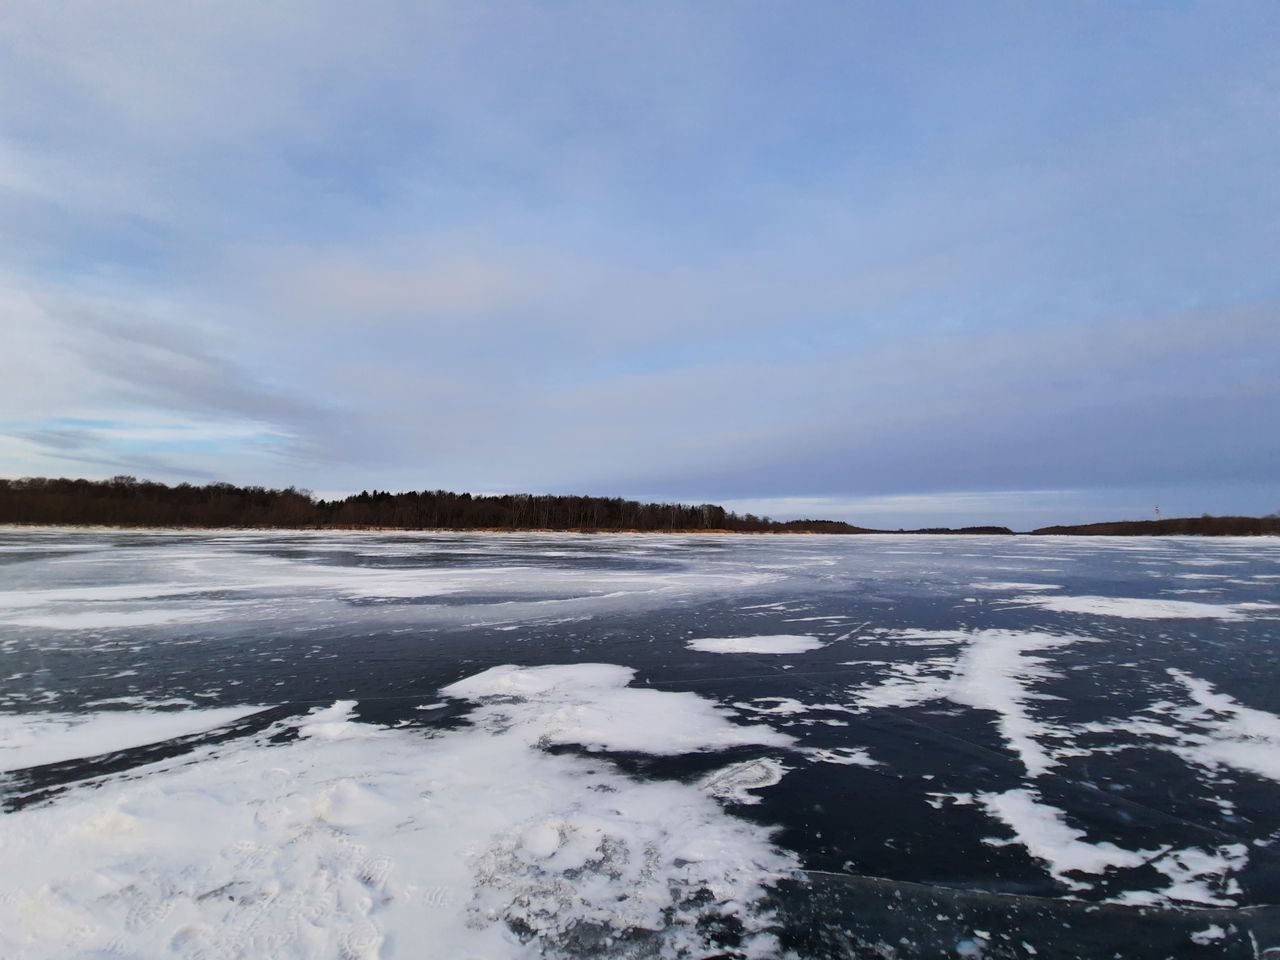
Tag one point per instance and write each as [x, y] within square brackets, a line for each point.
[1205, 526]
[129, 502]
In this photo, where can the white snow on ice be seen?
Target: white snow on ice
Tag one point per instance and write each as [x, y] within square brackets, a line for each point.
[1142, 609]
[736, 782]
[1197, 876]
[992, 585]
[843, 756]
[997, 671]
[778, 643]
[30, 740]
[1235, 736]
[1044, 832]
[360, 842]
[591, 704]
[1208, 935]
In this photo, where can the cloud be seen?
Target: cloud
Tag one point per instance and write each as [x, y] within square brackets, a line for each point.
[650, 250]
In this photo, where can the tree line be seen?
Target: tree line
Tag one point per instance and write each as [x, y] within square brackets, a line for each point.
[1203, 526]
[126, 501]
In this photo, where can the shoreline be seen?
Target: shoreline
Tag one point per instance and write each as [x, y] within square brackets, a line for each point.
[584, 531]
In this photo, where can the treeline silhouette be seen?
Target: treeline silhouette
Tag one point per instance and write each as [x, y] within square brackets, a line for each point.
[1204, 526]
[128, 502]
[125, 501]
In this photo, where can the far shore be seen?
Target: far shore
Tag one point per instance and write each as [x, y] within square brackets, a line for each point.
[127, 503]
[1086, 530]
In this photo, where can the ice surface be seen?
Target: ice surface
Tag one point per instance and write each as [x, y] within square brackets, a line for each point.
[1043, 830]
[844, 756]
[111, 619]
[1227, 733]
[1197, 876]
[996, 670]
[1013, 586]
[776, 643]
[736, 782]
[925, 638]
[510, 829]
[30, 740]
[357, 841]
[1141, 609]
[592, 705]
[1208, 935]
[182, 586]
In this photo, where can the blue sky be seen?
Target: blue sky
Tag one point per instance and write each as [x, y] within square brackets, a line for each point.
[895, 263]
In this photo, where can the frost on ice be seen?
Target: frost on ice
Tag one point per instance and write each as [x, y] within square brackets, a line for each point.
[358, 841]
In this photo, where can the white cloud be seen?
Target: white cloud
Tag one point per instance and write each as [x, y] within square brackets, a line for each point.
[447, 245]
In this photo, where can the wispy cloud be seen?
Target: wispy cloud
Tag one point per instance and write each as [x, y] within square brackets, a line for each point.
[656, 250]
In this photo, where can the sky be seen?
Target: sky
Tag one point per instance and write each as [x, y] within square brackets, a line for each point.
[901, 264]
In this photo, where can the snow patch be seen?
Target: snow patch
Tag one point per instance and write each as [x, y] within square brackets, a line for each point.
[357, 841]
[32, 740]
[99, 619]
[779, 643]
[735, 782]
[1236, 736]
[1046, 835]
[591, 705]
[1197, 876]
[990, 585]
[1208, 935]
[845, 756]
[996, 671]
[1135, 608]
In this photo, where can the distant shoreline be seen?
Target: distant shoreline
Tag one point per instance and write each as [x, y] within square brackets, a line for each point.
[127, 503]
[1272, 529]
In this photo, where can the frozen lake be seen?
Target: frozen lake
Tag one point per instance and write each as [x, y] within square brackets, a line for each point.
[410, 745]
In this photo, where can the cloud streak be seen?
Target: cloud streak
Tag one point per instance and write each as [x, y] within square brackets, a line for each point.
[838, 254]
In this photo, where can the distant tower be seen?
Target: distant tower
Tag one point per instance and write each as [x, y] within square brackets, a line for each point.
[1157, 513]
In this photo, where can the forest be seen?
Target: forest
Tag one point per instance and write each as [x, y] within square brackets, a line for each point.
[126, 501]
[1203, 526]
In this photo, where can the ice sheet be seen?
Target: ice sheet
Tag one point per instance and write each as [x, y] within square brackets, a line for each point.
[1197, 875]
[996, 670]
[776, 643]
[738, 782]
[357, 841]
[1044, 832]
[1144, 609]
[30, 740]
[1225, 732]
[100, 619]
[1013, 586]
[593, 706]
